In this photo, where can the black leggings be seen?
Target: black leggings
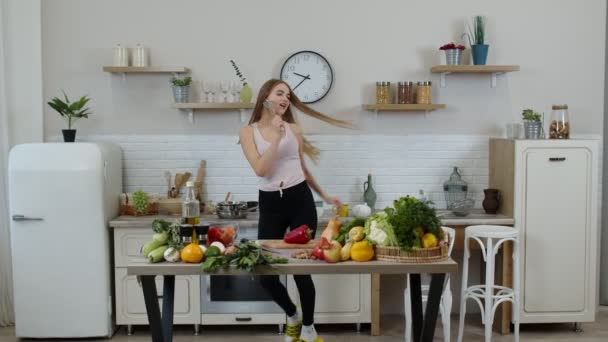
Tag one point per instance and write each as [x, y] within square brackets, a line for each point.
[294, 208]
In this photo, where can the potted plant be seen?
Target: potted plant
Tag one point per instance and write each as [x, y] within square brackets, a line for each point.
[452, 53]
[477, 37]
[181, 88]
[532, 124]
[245, 94]
[70, 111]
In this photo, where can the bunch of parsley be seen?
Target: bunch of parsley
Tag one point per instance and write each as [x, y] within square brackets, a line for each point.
[408, 214]
[247, 256]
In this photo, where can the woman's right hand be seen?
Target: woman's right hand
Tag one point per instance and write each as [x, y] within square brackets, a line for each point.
[277, 126]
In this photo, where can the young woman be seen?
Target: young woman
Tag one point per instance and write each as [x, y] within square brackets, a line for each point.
[274, 146]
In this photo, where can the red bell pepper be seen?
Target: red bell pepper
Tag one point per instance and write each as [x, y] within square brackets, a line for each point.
[215, 233]
[302, 235]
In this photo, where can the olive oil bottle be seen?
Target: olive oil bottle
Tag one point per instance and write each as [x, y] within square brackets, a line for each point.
[191, 209]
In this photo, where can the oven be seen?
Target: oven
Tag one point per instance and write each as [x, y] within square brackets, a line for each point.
[238, 300]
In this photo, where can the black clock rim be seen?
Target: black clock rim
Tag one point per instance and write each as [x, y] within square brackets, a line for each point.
[326, 61]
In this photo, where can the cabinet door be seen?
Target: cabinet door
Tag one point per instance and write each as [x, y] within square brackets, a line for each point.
[127, 245]
[131, 308]
[556, 229]
[340, 298]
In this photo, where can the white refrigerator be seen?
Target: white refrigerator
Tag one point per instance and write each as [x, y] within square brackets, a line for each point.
[61, 198]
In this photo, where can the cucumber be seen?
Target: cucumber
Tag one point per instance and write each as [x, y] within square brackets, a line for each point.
[158, 254]
[150, 246]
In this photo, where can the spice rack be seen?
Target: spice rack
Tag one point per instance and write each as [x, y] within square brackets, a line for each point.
[495, 70]
[190, 107]
[393, 107]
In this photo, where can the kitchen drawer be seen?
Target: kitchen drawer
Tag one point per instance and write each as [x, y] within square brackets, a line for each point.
[127, 245]
[131, 308]
[242, 319]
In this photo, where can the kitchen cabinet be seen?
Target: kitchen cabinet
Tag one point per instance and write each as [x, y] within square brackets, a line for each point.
[551, 188]
[130, 307]
[340, 298]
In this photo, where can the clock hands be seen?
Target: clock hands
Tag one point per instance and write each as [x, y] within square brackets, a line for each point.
[307, 77]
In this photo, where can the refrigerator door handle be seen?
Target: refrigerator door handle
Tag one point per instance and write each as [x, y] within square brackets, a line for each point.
[25, 218]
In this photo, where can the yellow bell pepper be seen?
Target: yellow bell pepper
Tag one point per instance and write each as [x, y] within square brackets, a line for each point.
[362, 251]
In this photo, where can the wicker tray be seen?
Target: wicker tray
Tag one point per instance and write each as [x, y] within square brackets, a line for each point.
[416, 255]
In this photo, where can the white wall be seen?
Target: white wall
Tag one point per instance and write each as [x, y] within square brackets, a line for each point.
[559, 45]
[23, 70]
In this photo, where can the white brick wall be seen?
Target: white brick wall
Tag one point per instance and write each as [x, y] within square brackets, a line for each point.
[400, 164]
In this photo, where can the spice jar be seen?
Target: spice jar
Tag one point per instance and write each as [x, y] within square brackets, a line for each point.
[405, 92]
[423, 93]
[383, 92]
[559, 128]
[430, 93]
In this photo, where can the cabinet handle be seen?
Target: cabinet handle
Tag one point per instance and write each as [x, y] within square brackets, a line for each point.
[243, 319]
[557, 159]
[25, 218]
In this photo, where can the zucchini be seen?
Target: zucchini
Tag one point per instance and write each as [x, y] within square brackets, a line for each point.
[158, 254]
[150, 246]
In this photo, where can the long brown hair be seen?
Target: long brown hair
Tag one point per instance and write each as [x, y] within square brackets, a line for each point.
[311, 151]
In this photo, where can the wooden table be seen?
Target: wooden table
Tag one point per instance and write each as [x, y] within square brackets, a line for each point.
[161, 327]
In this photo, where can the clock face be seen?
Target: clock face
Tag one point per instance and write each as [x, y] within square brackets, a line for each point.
[308, 74]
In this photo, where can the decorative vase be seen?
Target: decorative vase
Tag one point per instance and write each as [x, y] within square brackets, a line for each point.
[452, 56]
[69, 135]
[246, 94]
[491, 201]
[480, 53]
[181, 94]
[369, 195]
[532, 129]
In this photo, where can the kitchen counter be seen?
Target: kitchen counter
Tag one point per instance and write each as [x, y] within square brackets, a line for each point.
[477, 216]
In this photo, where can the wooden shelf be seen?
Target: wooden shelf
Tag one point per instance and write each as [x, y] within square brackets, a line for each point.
[473, 69]
[211, 106]
[403, 107]
[150, 69]
[192, 106]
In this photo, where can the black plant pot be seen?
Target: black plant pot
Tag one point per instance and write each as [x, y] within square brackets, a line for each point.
[69, 135]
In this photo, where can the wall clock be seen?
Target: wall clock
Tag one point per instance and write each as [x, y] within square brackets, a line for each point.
[308, 74]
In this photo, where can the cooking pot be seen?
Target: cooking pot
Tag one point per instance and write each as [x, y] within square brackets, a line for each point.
[231, 210]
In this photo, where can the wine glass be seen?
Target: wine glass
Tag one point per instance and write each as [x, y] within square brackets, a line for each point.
[212, 89]
[236, 91]
[225, 87]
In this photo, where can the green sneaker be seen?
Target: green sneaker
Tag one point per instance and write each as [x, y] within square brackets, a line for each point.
[292, 331]
[318, 339]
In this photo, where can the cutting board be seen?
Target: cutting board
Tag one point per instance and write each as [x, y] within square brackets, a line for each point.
[280, 244]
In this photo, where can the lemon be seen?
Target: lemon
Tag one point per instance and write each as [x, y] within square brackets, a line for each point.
[429, 240]
[356, 233]
[420, 231]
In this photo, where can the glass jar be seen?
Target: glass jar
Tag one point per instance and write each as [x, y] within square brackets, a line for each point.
[405, 92]
[387, 92]
[379, 92]
[422, 93]
[455, 189]
[559, 128]
[429, 99]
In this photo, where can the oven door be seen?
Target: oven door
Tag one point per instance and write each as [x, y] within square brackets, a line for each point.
[236, 294]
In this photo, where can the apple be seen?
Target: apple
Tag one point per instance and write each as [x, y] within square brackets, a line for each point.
[317, 252]
[332, 253]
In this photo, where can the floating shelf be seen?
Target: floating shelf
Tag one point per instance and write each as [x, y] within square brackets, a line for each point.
[192, 106]
[473, 69]
[149, 69]
[403, 107]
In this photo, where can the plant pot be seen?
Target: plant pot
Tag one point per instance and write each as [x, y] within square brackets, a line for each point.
[246, 94]
[532, 130]
[453, 56]
[69, 135]
[480, 53]
[181, 94]
[491, 201]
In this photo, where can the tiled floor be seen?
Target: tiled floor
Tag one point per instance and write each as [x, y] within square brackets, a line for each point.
[392, 330]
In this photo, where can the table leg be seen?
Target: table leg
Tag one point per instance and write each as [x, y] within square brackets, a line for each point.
[432, 307]
[168, 302]
[375, 328]
[151, 299]
[416, 298]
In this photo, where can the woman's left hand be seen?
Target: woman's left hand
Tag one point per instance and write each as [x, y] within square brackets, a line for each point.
[334, 201]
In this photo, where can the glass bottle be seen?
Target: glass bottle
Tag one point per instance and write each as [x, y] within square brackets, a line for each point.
[559, 128]
[369, 195]
[191, 210]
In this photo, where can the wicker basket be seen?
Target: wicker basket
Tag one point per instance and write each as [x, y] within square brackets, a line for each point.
[126, 208]
[415, 255]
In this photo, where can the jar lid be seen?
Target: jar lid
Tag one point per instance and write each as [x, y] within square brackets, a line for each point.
[379, 83]
[558, 107]
[401, 83]
[429, 83]
[419, 83]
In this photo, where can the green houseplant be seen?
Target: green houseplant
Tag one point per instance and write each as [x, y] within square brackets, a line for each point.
[245, 94]
[70, 111]
[181, 88]
[477, 40]
[532, 124]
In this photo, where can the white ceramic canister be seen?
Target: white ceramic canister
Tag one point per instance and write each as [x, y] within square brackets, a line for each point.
[140, 56]
[121, 56]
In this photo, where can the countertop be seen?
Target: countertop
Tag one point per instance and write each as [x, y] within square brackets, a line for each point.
[476, 217]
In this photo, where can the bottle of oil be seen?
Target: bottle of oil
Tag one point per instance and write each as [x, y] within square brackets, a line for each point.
[191, 209]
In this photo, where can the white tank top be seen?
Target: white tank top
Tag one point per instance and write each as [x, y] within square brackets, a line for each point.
[286, 171]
